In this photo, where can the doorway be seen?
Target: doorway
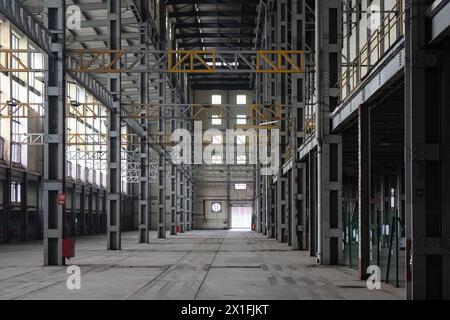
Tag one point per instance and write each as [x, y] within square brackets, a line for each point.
[241, 218]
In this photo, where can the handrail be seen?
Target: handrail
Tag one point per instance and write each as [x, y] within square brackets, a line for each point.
[353, 74]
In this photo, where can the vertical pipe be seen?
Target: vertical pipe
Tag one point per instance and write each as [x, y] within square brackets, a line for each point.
[319, 126]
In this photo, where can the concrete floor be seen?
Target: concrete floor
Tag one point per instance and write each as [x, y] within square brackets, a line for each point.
[200, 265]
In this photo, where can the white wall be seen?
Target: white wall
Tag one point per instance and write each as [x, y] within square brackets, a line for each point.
[207, 193]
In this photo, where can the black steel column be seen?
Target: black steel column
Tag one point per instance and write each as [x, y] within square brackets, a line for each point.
[364, 192]
[55, 134]
[113, 207]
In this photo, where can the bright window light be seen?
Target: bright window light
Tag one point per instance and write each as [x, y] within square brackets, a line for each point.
[216, 99]
[216, 159]
[241, 139]
[240, 186]
[241, 119]
[216, 121]
[217, 140]
[241, 99]
[241, 159]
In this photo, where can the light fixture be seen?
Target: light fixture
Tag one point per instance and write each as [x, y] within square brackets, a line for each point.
[216, 207]
[74, 103]
[11, 103]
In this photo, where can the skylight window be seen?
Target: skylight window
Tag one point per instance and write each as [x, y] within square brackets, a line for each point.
[216, 120]
[216, 99]
[241, 99]
[241, 119]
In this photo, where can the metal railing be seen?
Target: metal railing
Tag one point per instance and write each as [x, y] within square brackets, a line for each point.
[310, 126]
[380, 41]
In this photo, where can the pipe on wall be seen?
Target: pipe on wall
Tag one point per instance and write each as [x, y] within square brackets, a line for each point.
[319, 132]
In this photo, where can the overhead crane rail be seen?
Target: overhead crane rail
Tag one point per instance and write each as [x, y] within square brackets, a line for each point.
[17, 60]
[101, 61]
[150, 111]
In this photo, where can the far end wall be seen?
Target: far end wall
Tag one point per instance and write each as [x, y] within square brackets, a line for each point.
[214, 192]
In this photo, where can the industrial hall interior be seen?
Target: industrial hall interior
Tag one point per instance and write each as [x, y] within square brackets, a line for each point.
[224, 149]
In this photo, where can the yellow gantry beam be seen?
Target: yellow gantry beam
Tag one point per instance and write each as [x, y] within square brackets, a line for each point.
[101, 61]
[280, 61]
[16, 60]
[21, 110]
[191, 61]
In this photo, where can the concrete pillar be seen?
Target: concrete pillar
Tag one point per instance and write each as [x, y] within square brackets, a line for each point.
[55, 134]
[113, 203]
[364, 188]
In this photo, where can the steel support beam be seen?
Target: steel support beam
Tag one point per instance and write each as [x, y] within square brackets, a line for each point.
[182, 203]
[6, 212]
[328, 62]
[188, 205]
[298, 27]
[173, 178]
[427, 162]
[173, 200]
[144, 193]
[312, 203]
[364, 189]
[189, 127]
[113, 203]
[272, 218]
[162, 131]
[193, 207]
[55, 135]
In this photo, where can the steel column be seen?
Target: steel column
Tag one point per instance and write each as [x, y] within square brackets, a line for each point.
[113, 203]
[188, 205]
[162, 205]
[144, 193]
[364, 189]
[55, 134]
[182, 201]
[173, 200]
[427, 166]
[297, 131]
[329, 168]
